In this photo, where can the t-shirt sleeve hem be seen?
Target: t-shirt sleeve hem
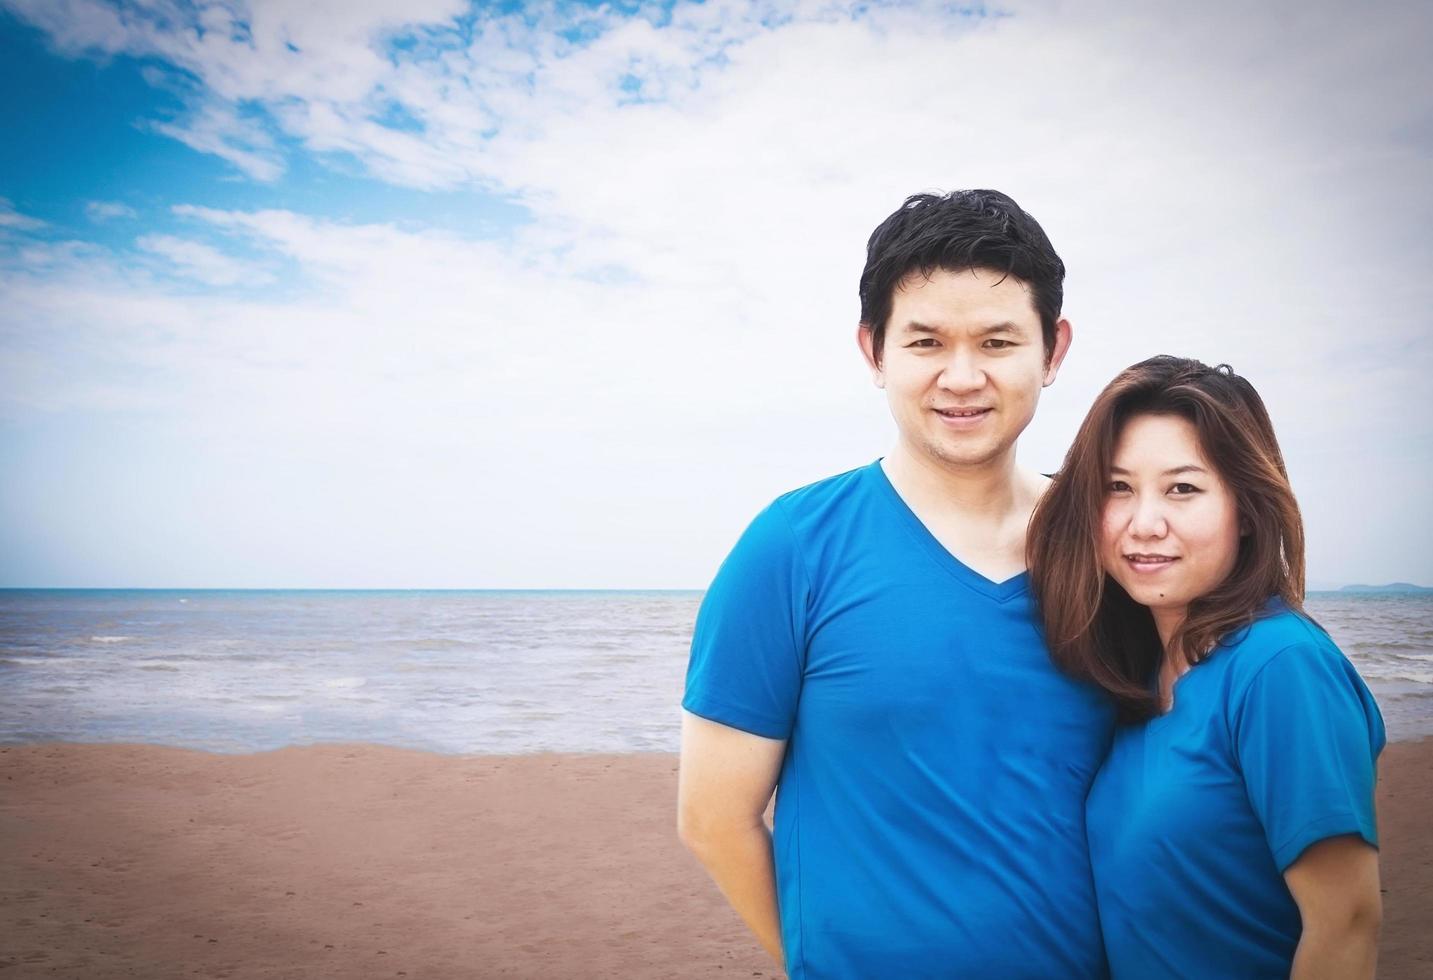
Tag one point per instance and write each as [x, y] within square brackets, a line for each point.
[1334, 825]
[743, 719]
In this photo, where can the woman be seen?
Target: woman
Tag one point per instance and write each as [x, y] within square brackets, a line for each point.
[1231, 828]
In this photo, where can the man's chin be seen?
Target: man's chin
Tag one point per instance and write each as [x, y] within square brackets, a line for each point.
[966, 456]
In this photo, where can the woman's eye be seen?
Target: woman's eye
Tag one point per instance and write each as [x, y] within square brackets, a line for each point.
[1183, 489]
[1118, 486]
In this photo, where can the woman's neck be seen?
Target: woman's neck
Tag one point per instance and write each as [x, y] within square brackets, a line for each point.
[1175, 663]
[1167, 622]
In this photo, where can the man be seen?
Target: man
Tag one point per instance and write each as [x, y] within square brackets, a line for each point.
[870, 647]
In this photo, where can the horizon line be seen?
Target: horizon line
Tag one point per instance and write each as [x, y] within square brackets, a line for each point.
[506, 589]
[334, 588]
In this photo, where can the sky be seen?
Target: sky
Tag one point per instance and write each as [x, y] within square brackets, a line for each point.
[428, 294]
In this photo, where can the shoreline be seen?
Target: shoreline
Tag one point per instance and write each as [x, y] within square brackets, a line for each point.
[344, 860]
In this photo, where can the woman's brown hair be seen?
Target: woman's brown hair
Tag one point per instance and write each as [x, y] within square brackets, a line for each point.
[1094, 630]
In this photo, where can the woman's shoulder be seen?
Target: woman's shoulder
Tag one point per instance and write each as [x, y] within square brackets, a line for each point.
[1286, 675]
[1279, 633]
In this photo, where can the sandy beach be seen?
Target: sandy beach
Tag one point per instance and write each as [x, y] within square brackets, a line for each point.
[364, 861]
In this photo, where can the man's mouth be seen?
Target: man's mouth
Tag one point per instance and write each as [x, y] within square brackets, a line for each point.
[961, 413]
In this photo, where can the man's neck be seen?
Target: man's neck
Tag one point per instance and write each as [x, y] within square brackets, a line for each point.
[992, 490]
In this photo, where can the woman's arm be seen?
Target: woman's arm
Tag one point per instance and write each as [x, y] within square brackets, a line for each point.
[1335, 884]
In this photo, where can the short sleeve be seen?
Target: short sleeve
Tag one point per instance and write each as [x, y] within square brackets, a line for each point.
[1307, 733]
[749, 644]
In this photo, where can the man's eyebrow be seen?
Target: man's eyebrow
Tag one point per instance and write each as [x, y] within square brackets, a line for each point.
[1186, 468]
[1003, 327]
[915, 326]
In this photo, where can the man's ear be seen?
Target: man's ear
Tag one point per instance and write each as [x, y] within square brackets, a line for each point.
[866, 340]
[1064, 334]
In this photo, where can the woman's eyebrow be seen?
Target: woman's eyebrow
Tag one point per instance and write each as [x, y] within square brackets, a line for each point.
[1186, 468]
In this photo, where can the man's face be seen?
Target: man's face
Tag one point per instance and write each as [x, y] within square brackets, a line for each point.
[963, 364]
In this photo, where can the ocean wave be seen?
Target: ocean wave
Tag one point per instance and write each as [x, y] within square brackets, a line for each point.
[456, 673]
[1376, 648]
[429, 644]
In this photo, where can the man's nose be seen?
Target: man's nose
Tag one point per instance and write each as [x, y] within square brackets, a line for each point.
[962, 373]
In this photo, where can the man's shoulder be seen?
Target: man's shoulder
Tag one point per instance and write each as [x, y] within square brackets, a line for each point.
[797, 530]
[820, 496]
[808, 516]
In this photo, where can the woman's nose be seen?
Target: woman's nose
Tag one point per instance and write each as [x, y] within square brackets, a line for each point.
[1148, 519]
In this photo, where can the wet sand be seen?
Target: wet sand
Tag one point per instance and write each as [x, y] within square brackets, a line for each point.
[364, 861]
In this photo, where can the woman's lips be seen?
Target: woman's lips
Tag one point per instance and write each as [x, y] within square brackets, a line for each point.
[1148, 564]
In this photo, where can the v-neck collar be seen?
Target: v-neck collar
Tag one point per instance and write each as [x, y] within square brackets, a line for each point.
[999, 591]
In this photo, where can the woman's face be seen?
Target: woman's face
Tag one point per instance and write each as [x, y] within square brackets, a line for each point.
[1171, 529]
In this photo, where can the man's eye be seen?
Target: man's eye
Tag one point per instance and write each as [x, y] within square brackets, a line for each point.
[924, 342]
[997, 344]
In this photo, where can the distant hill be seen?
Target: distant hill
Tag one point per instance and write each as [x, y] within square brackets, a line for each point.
[1400, 588]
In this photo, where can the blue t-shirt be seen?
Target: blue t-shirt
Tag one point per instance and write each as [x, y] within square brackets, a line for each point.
[930, 807]
[1193, 819]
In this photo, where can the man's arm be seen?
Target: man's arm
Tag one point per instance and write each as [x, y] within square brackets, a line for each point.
[726, 780]
[1335, 885]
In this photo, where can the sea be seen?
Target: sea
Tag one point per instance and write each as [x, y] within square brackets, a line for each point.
[448, 671]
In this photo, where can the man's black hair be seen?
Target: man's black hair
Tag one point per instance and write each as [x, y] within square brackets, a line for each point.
[962, 230]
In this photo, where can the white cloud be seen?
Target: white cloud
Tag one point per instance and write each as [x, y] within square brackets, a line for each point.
[10, 218]
[1243, 184]
[108, 211]
[204, 263]
[219, 129]
[79, 26]
[265, 52]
